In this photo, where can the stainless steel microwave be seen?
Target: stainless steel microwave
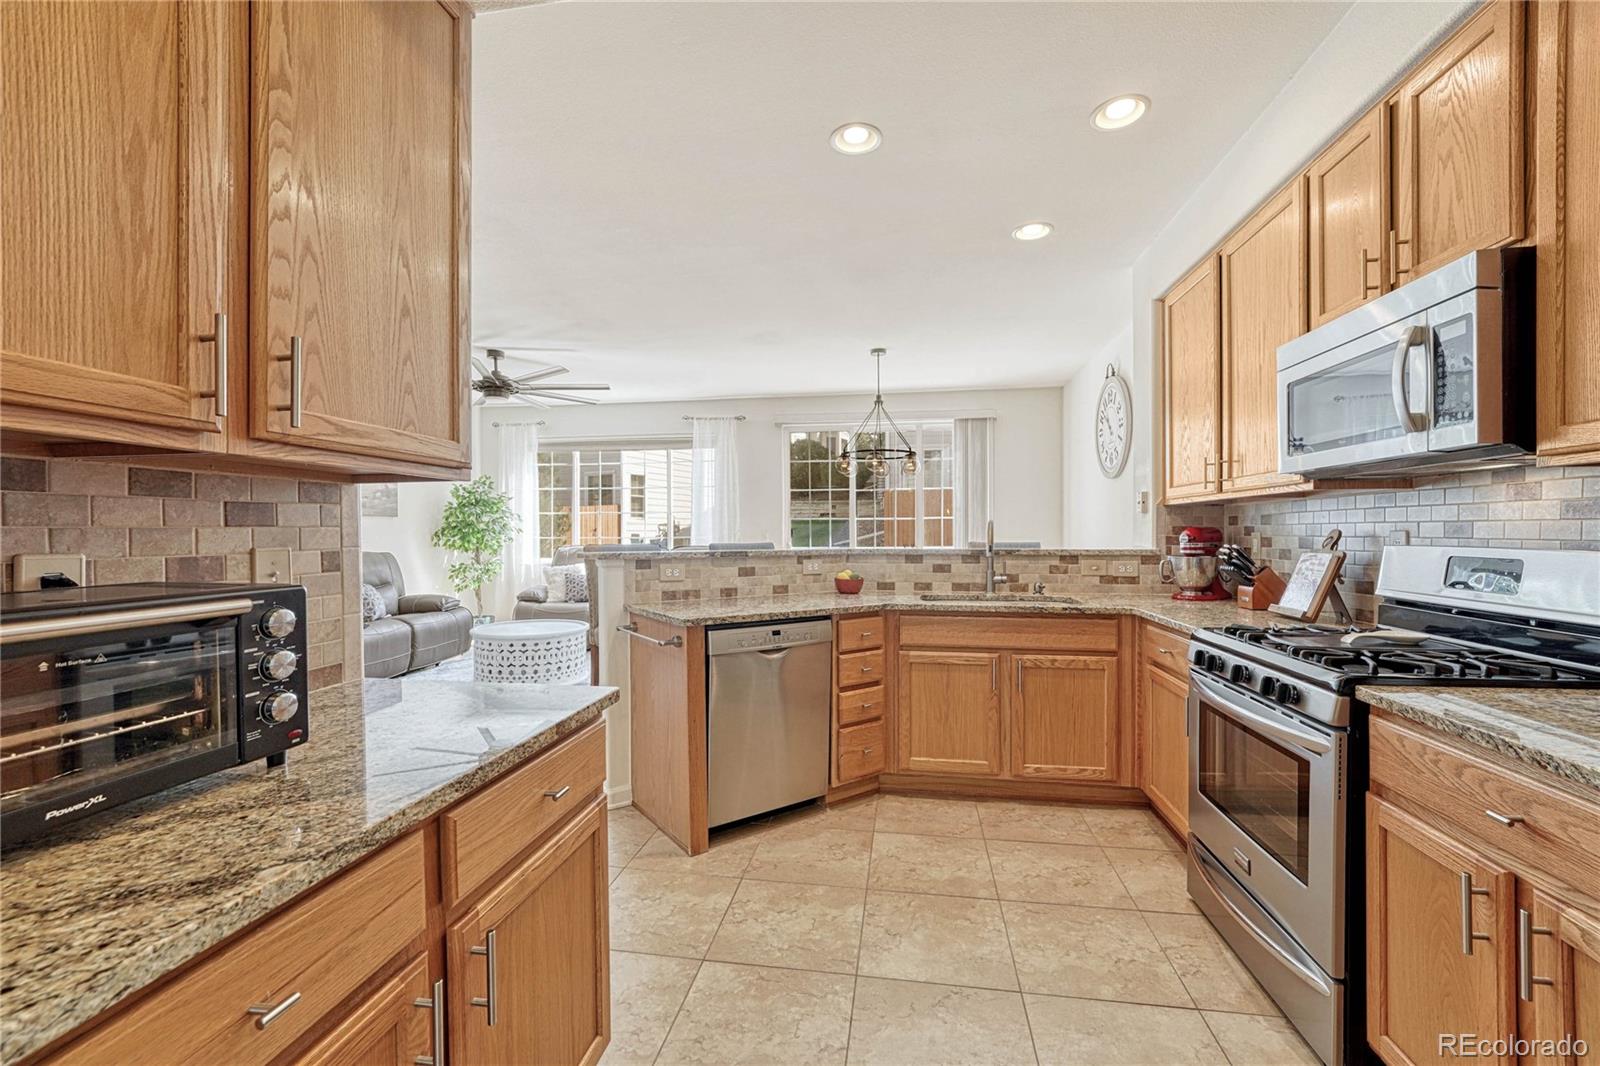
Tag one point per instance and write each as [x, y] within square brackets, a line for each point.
[1438, 375]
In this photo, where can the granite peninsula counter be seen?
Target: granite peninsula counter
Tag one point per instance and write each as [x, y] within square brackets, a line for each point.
[121, 900]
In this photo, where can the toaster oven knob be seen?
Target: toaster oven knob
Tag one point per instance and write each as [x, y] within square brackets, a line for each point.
[278, 622]
[279, 664]
[279, 707]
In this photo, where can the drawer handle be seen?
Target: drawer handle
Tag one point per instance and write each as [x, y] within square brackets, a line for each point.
[435, 1004]
[487, 1002]
[266, 1013]
[1526, 931]
[866, 751]
[1165, 651]
[1467, 892]
[866, 632]
[1507, 820]
[866, 669]
[865, 706]
[557, 793]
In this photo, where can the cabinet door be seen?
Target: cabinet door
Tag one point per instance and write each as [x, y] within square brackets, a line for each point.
[1458, 185]
[1164, 744]
[948, 705]
[1263, 305]
[1191, 354]
[1439, 960]
[114, 192]
[529, 965]
[1568, 215]
[358, 239]
[1347, 204]
[1558, 977]
[388, 1028]
[1064, 717]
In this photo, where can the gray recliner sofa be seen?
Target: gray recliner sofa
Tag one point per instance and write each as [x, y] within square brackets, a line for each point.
[418, 630]
[534, 604]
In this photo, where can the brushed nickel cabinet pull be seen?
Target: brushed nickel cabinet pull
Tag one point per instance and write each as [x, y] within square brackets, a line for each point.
[218, 337]
[1366, 261]
[297, 362]
[1467, 892]
[557, 793]
[866, 751]
[633, 631]
[435, 1004]
[488, 1001]
[1526, 931]
[1507, 820]
[267, 1013]
[1395, 241]
[1164, 651]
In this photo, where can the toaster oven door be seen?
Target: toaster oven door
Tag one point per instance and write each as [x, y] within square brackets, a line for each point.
[94, 719]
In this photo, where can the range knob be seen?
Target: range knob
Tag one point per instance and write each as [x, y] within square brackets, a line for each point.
[1269, 687]
[1239, 674]
[278, 622]
[279, 707]
[277, 665]
[1287, 693]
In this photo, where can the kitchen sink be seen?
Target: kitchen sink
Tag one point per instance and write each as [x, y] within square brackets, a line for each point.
[993, 597]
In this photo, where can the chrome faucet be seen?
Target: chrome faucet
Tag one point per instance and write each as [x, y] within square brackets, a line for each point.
[990, 579]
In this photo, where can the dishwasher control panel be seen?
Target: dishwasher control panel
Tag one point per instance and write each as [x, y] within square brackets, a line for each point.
[757, 637]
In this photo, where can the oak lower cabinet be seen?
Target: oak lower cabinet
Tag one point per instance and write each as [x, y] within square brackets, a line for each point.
[1063, 714]
[1163, 714]
[1559, 993]
[948, 709]
[532, 958]
[391, 1027]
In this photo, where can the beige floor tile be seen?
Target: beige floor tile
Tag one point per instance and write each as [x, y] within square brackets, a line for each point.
[666, 913]
[1254, 1040]
[929, 816]
[813, 857]
[1081, 1032]
[902, 1022]
[1129, 827]
[1091, 953]
[776, 923]
[946, 866]
[1212, 973]
[1048, 823]
[949, 939]
[727, 856]
[851, 814]
[1056, 873]
[628, 825]
[1157, 880]
[754, 1014]
[646, 991]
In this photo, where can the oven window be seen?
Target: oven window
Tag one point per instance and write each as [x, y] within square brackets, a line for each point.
[1262, 787]
[99, 709]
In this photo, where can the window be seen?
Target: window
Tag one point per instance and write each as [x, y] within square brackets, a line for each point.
[828, 508]
[618, 495]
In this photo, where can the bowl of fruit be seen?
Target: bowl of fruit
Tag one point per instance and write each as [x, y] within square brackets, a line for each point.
[848, 582]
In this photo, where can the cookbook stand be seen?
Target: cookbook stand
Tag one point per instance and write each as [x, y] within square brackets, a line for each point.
[1311, 586]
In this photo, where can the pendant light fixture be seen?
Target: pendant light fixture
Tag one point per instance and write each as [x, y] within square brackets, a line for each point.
[876, 457]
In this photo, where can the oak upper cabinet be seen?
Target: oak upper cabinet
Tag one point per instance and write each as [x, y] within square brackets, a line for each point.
[112, 198]
[1458, 143]
[389, 1028]
[1163, 709]
[529, 964]
[1440, 939]
[1347, 205]
[1558, 975]
[1191, 355]
[1064, 717]
[359, 232]
[1567, 158]
[1263, 267]
[948, 706]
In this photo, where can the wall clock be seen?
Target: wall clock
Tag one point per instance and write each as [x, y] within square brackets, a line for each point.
[1113, 422]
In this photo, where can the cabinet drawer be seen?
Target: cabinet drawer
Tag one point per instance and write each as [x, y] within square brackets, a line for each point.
[859, 751]
[490, 829]
[1005, 633]
[860, 705]
[322, 948]
[1559, 834]
[860, 633]
[860, 668]
[1166, 649]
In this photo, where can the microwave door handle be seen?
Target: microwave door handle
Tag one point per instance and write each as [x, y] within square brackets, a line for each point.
[1409, 420]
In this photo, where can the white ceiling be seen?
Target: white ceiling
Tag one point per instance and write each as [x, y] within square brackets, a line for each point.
[653, 185]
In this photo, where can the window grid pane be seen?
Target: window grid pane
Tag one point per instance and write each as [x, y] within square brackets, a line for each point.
[830, 509]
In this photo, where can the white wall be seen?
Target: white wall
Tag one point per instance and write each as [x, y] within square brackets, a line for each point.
[407, 536]
[1097, 511]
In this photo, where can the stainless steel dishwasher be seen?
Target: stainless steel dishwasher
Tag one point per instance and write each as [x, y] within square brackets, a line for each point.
[768, 694]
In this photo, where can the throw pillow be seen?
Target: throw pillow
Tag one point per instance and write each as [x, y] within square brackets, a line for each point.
[568, 584]
[372, 606]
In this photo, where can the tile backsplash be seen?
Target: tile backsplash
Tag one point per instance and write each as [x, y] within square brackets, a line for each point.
[135, 522]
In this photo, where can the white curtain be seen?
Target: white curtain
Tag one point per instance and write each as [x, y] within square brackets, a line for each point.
[517, 475]
[714, 481]
[973, 475]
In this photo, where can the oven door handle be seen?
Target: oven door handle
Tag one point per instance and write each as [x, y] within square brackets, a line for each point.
[1232, 701]
[1271, 944]
[109, 621]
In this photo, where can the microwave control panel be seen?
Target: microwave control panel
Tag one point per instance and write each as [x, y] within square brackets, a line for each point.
[1454, 390]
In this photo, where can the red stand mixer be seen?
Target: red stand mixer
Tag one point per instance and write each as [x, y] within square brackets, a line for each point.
[1194, 568]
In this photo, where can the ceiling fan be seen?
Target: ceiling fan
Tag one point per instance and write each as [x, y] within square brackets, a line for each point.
[534, 388]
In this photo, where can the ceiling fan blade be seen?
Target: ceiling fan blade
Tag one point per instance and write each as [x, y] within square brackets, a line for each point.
[563, 386]
[477, 365]
[523, 397]
[565, 399]
[538, 375]
[479, 399]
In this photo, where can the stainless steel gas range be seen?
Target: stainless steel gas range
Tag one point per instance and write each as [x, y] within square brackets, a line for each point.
[1277, 752]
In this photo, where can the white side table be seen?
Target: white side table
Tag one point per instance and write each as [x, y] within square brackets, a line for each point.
[543, 653]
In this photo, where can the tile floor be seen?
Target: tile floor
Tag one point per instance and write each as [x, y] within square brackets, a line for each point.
[911, 930]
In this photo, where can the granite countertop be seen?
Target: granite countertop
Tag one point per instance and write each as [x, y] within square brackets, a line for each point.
[1159, 607]
[121, 899]
[1553, 729]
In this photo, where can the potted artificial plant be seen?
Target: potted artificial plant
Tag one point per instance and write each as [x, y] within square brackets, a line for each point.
[475, 526]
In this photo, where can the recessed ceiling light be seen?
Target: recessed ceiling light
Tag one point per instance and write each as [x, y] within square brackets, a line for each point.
[1032, 231]
[1120, 111]
[856, 138]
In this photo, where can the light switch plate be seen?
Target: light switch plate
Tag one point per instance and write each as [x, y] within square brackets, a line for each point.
[671, 571]
[1095, 565]
[811, 566]
[1124, 568]
[27, 568]
[270, 566]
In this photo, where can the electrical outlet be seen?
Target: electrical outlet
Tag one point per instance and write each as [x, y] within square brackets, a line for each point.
[1398, 537]
[1095, 565]
[1124, 568]
[269, 566]
[29, 568]
[1143, 501]
[671, 571]
[811, 566]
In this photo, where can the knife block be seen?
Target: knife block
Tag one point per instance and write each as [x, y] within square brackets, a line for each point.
[1266, 591]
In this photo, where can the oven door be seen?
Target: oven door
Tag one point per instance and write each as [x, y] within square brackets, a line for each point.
[1266, 797]
[94, 718]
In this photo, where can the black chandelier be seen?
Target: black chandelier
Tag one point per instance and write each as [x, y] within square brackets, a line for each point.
[877, 457]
